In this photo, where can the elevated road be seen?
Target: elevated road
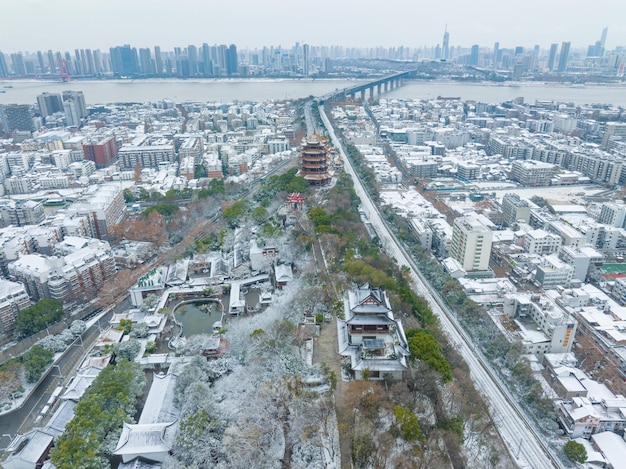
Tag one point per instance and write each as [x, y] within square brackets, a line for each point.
[524, 442]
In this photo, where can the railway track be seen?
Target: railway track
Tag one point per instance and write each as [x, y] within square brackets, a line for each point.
[525, 444]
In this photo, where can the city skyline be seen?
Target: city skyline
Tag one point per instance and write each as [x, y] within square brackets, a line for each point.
[66, 24]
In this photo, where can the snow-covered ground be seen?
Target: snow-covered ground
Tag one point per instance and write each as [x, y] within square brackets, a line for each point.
[519, 434]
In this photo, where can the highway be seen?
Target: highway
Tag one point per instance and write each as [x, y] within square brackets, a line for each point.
[21, 420]
[524, 442]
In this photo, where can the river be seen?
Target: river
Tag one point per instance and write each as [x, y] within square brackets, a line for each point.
[112, 91]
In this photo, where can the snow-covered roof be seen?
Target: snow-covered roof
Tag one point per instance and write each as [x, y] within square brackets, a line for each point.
[159, 405]
[613, 447]
[26, 450]
[145, 439]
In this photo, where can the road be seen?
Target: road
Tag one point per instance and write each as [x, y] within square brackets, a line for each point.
[524, 443]
[22, 419]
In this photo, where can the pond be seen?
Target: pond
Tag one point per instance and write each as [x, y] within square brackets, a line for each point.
[198, 317]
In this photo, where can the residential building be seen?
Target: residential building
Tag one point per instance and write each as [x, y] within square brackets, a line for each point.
[49, 103]
[101, 151]
[471, 243]
[146, 156]
[13, 299]
[553, 273]
[532, 173]
[514, 209]
[541, 242]
[613, 213]
[369, 336]
[103, 206]
[16, 117]
[542, 327]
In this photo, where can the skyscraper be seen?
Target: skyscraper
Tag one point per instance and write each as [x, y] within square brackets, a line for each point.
[232, 60]
[145, 61]
[16, 117]
[552, 56]
[49, 103]
[474, 55]
[4, 69]
[496, 54]
[446, 44]
[158, 60]
[79, 101]
[305, 59]
[124, 60]
[563, 56]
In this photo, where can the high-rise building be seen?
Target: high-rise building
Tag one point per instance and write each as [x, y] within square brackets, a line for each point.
[124, 61]
[192, 56]
[145, 61]
[552, 56]
[158, 60]
[445, 53]
[496, 54]
[16, 117]
[79, 98]
[471, 243]
[563, 56]
[306, 51]
[4, 69]
[474, 55]
[102, 152]
[232, 60]
[19, 67]
[52, 66]
[49, 103]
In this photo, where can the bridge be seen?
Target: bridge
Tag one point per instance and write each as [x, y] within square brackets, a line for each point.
[379, 86]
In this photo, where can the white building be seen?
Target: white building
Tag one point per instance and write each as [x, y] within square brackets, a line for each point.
[553, 272]
[471, 243]
[543, 327]
[541, 242]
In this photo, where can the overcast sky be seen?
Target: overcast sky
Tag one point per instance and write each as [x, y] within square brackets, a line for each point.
[30, 25]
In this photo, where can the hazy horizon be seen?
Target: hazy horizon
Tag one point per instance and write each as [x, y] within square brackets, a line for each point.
[32, 25]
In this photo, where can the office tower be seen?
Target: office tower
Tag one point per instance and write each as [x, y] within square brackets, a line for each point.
[51, 62]
[306, 51]
[552, 56]
[69, 64]
[603, 37]
[207, 67]
[496, 53]
[97, 62]
[563, 56]
[158, 60]
[446, 44]
[145, 61]
[19, 68]
[40, 63]
[471, 243]
[192, 56]
[79, 99]
[519, 50]
[49, 103]
[16, 117]
[124, 61]
[71, 111]
[232, 63]
[4, 69]
[474, 55]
